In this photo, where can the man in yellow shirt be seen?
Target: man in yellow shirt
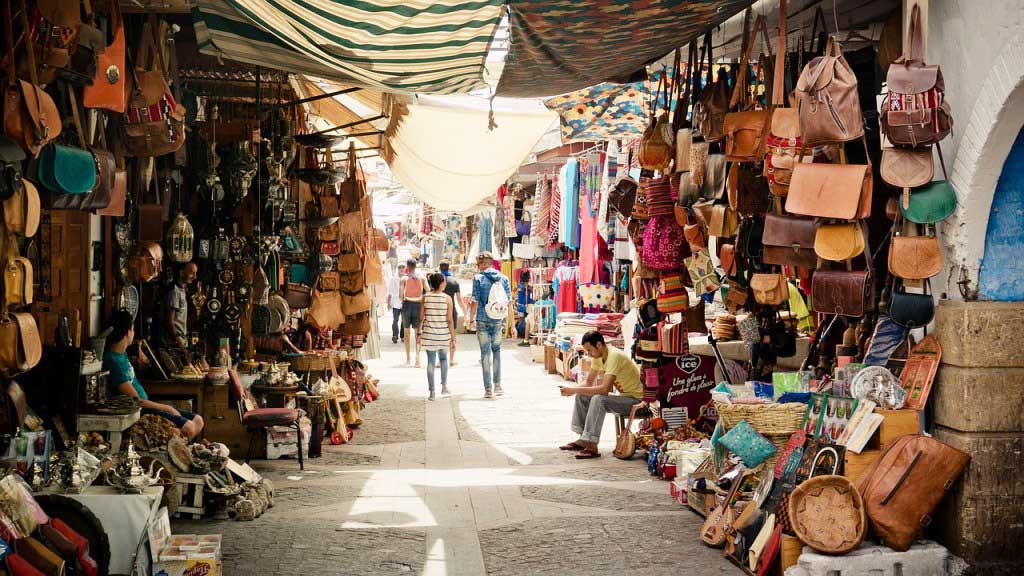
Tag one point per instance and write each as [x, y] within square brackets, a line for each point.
[610, 370]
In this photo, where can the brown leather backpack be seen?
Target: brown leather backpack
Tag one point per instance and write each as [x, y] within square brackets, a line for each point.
[827, 100]
[154, 121]
[903, 487]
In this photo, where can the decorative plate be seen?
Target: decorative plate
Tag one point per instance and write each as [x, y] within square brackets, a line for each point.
[128, 299]
[827, 513]
[877, 383]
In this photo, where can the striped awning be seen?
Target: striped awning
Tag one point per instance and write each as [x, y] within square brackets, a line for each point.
[428, 46]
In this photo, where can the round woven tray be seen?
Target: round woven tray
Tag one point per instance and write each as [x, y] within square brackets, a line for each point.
[827, 513]
[765, 418]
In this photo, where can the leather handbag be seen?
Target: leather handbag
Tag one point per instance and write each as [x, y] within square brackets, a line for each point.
[102, 192]
[931, 203]
[350, 281]
[22, 210]
[146, 263]
[355, 302]
[713, 104]
[827, 101]
[695, 236]
[328, 281]
[915, 111]
[727, 259]
[769, 289]
[840, 191]
[843, 292]
[107, 90]
[298, 296]
[66, 170]
[789, 241]
[907, 168]
[90, 43]
[623, 196]
[724, 222]
[713, 186]
[915, 257]
[11, 158]
[684, 139]
[31, 117]
[839, 242]
[154, 121]
[905, 485]
[748, 190]
[18, 281]
[351, 259]
[911, 310]
[783, 142]
[358, 325]
[379, 240]
[118, 193]
[745, 135]
[325, 309]
[20, 345]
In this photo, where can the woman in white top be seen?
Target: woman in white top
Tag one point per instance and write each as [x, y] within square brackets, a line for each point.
[436, 330]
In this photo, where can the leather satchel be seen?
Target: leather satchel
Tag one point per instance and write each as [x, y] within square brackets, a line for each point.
[770, 289]
[843, 292]
[146, 264]
[915, 111]
[789, 241]
[839, 242]
[20, 345]
[22, 210]
[118, 193]
[931, 203]
[907, 168]
[18, 282]
[328, 281]
[356, 302]
[31, 117]
[107, 90]
[911, 310]
[358, 325]
[713, 104]
[905, 485]
[727, 258]
[724, 222]
[748, 190]
[714, 177]
[325, 309]
[154, 121]
[840, 191]
[827, 100]
[623, 196]
[298, 296]
[745, 135]
[915, 257]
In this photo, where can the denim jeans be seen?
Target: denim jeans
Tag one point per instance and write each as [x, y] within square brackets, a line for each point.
[431, 356]
[589, 411]
[488, 334]
[396, 322]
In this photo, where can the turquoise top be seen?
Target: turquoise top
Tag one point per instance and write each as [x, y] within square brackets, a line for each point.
[121, 371]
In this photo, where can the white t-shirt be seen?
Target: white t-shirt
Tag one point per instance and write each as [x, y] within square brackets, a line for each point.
[394, 291]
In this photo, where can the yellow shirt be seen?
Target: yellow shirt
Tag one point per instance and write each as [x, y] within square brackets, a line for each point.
[626, 372]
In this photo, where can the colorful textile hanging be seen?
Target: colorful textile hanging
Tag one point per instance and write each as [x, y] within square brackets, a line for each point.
[556, 212]
[539, 232]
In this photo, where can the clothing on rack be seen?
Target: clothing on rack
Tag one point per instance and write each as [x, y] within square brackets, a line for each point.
[556, 212]
[486, 234]
[569, 181]
[539, 232]
[564, 284]
[590, 176]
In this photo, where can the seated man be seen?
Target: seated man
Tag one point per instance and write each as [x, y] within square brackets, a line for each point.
[611, 369]
[122, 378]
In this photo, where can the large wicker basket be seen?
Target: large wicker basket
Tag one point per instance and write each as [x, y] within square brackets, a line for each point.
[767, 419]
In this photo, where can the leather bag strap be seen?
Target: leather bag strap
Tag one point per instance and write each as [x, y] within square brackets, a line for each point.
[915, 42]
[12, 79]
[73, 101]
[741, 90]
[29, 49]
[778, 80]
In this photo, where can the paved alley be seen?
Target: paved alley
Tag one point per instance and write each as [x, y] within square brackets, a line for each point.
[465, 485]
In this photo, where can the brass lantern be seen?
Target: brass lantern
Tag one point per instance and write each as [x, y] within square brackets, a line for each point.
[179, 239]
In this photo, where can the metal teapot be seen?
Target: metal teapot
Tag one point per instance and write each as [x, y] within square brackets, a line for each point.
[128, 476]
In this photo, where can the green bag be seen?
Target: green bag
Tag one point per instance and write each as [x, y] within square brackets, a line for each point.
[931, 203]
[66, 170]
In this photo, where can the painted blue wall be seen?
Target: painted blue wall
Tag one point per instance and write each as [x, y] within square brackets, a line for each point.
[1002, 268]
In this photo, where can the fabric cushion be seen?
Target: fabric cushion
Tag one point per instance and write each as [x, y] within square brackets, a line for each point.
[262, 417]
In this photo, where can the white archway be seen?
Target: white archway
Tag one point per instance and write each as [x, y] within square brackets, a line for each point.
[987, 136]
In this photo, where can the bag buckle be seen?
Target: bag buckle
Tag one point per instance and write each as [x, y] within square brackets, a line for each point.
[925, 521]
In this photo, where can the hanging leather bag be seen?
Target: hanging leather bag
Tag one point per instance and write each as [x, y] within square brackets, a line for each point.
[357, 325]
[31, 117]
[789, 241]
[18, 279]
[914, 111]
[907, 168]
[915, 257]
[748, 190]
[22, 210]
[848, 293]
[746, 130]
[90, 43]
[325, 309]
[905, 485]
[827, 100]
[724, 222]
[102, 192]
[931, 203]
[623, 196]
[107, 90]
[912, 310]
[714, 100]
[353, 303]
[153, 121]
[839, 242]
[11, 158]
[298, 295]
[769, 289]
[840, 191]
[118, 192]
[714, 177]
[20, 345]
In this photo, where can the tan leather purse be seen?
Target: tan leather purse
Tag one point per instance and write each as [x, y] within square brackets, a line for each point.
[769, 289]
[22, 209]
[118, 192]
[31, 117]
[839, 242]
[20, 345]
[915, 257]
[840, 191]
[18, 282]
[907, 168]
[325, 310]
[684, 141]
[724, 222]
[355, 303]
[745, 135]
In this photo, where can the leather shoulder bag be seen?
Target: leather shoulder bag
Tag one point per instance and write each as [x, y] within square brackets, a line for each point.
[22, 210]
[31, 117]
[107, 90]
[748, 190]
[770, 289]
[713, 187]
[18, 279]
[747, 129]
[20, 345]
[325, 309]
[714, 100]
[915, 257]
[11, 158]
[845, 292]
[789, 241]
[839, 242]
[827, 101]
[154, 120]
[840, 191]
[912, 310]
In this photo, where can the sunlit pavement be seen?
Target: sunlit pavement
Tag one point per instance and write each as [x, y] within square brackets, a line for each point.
[466, 485]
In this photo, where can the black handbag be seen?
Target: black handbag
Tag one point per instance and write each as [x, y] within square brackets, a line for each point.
[11, 157]
[912, 310]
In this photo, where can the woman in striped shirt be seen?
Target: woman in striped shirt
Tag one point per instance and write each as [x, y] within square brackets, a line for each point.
[436, 330]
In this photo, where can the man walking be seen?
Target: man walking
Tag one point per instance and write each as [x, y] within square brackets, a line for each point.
[490, 320]
[395, 302]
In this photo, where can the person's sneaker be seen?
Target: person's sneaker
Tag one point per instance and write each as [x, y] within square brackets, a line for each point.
[432, 396]
[488, 394]
[498, 391]
[394, 340]
[444, 391]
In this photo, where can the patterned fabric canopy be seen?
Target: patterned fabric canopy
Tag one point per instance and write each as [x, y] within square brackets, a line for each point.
[429, 46]
[557, 46]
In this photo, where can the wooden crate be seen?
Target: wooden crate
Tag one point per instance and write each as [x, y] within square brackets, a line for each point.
[550, 359]
[897, 423]
[191, 490]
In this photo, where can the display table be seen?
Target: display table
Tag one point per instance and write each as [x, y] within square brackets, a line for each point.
[736, 350]
[125, 518]
[191, 390]
[113, 424]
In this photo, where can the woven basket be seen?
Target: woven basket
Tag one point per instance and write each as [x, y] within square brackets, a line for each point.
[767, 419]
[827, 513]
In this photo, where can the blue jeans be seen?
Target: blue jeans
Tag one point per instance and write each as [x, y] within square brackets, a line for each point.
[431, 356]
[488, 334]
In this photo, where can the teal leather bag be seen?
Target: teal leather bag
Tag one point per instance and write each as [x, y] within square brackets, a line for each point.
[931, 203]
[66, 170]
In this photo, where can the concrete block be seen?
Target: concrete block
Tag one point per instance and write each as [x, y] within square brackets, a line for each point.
[981, 334]
[924, 558]
[979, 399]
[996, 462]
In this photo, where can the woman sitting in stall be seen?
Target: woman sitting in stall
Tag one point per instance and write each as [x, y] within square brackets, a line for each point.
[122, 378]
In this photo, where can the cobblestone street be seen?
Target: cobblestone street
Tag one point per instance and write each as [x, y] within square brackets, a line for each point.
[468, 486]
